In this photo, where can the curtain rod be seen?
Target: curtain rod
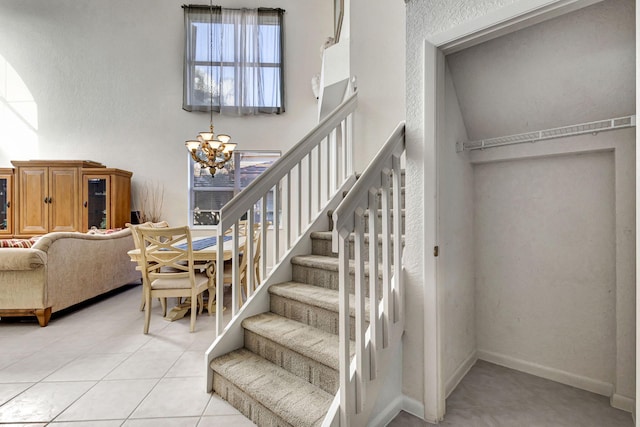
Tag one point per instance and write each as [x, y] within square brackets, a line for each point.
[207, 7]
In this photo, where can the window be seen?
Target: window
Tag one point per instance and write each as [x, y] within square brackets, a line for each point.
[209, 193]
[233, 60]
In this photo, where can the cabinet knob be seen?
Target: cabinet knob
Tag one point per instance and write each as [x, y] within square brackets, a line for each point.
[84, 204]
[8, 204]
[45, 200]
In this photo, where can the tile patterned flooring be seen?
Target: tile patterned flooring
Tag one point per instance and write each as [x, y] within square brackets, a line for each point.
[494, 396]
[93, 366]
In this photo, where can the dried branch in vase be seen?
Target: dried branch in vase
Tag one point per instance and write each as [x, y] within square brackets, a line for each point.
[147, 201]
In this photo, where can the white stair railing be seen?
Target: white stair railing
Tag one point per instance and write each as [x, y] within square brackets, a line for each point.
[298, 185]
[379, 189]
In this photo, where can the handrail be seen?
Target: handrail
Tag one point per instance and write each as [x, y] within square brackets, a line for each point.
[298, 185]
[378, 196]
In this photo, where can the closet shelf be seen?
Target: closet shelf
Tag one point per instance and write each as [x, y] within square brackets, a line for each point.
[561, 132]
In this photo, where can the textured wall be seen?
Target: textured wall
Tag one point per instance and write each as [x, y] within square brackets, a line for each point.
[107, 78]
[576, 68]
[424, 18]
[545, 269]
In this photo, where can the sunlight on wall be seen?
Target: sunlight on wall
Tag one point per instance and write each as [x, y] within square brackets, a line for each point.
[18, 117]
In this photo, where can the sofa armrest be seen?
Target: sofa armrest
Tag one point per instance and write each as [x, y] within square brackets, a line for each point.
[15, 259]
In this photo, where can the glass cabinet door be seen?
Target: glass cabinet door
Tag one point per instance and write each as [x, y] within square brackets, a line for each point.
[96, 202]
[5, 204]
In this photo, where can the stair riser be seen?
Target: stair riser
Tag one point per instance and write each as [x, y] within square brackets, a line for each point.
[317, 317]
[326, 278]
[250, 408]
[323, 247]
[320, 375]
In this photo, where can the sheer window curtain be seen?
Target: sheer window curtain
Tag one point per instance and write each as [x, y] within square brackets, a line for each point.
[242, 66]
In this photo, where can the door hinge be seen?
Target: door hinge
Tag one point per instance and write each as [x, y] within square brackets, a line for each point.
[436, 250]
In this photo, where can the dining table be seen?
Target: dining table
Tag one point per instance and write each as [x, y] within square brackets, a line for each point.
[205, 251]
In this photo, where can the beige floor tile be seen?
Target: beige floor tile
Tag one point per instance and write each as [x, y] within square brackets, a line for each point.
[174, 397]
[190, 364]
[108, 400]
[43, 402]
[151, 364]
[163, 422]
[226, 421]
[9, 391]
[88, 367]
[92, 423]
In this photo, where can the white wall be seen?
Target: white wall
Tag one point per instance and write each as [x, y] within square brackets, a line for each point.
[378, 63]
[545, 262]
[107, 80]
[573, 69]
[555, 260]
[456, 259]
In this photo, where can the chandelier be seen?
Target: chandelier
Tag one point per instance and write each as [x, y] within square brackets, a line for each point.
[207, 150]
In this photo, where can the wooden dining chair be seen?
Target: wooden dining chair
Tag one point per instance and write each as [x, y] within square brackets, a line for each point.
[136, 244]
[170, 271]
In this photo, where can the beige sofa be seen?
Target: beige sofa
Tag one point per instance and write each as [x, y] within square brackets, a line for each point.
[63, 269]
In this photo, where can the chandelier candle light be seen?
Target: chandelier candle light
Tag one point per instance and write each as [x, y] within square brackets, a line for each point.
[207, 150]
[211, 152]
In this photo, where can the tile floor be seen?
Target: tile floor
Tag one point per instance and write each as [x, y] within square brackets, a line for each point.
[93, 366]
[494, 396]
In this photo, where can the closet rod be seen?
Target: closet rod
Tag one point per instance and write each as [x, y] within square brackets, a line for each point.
[561, 132]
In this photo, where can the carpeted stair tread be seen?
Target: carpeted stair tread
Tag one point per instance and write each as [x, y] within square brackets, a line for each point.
[289, 397]
[316, 296]
[306, 340]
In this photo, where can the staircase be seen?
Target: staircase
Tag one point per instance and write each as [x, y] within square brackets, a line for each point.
[303, 350]
[287, 373]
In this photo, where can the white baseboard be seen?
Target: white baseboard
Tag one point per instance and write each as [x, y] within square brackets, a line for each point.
[578, 381]
[387, 414]
[459, 373]
[413, 407]
[401, 403]
[624, 403]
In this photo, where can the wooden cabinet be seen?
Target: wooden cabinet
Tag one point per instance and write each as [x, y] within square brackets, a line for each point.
[6, 202]
[50, 196]
[106, 196]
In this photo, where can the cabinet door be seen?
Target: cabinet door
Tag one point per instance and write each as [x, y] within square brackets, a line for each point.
[6, 208]
[64, 203]
[96, 191]
[33, 193]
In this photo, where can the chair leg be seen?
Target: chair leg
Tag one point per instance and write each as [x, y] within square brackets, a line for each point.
[212, 296]
[194, 308]
[200, 304]
[163, 303]
[147, 311]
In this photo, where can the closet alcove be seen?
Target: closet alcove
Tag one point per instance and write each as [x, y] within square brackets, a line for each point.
[537, 236]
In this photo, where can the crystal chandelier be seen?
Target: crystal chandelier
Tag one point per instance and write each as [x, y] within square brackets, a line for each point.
[207, 150]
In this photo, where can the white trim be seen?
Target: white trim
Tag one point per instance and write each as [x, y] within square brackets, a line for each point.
[504, 20]
[414, 407]
[578, 381]
[623, 403]
[388, 413]
[460, 373]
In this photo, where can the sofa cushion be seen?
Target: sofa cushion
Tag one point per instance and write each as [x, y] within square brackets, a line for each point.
[17, 243]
